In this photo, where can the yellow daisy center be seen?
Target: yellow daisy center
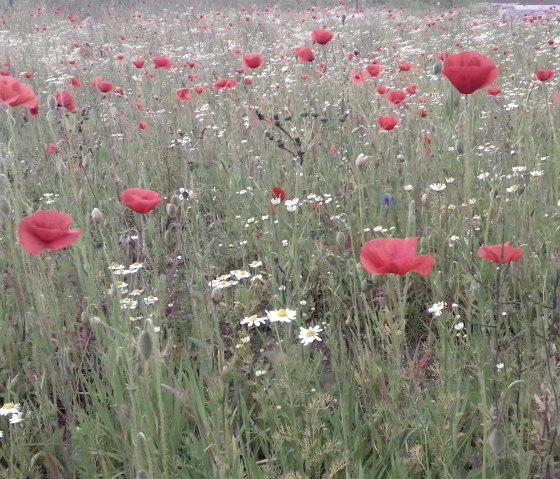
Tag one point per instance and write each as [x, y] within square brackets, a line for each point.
[253, 318]
[310, 333]
[8, 405]
[282, 313]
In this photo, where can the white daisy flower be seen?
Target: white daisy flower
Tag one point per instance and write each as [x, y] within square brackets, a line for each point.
[281, 315]
[10, 408]
[308, 335]
[253, 320]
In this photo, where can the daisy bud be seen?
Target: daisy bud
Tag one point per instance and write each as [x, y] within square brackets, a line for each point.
[171, 210]
[145, 345]
[217, 295]
[361, 161]
[96, 216]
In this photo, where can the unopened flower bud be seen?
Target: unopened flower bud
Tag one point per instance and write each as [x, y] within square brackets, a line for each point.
[217, 295]
[51, 102]
[96, 216]
[171, 210]
[5, 207]
[361, 161]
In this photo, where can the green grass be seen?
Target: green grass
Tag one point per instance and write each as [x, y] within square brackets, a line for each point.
[182, 390]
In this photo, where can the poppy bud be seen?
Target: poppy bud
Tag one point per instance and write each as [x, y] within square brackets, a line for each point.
[361, 161]
[84, 318]
[169, 237]
[145, 345]
[5, 207]
[437, 68]
[366, 286]
[51, 102]
[340, 238]
[459, 147]
[424, 199]
[96, 216]
[217, 295]
[171, 210]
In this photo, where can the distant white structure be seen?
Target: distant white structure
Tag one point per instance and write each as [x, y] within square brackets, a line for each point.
[513, 10]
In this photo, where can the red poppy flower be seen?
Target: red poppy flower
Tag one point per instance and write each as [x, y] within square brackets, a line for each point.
[46, 229]
[422, 113]
[138, 63]
[219, 84]
[15, 93]
[500, 253]
[28, 75]
[405, 66]
[321, 36]
[374, 69]
[231, 83]
[140, 199]
[396, 96]
[64, 99]
[248, 81]
[183, 94]
[304, 54]
[382, 89]
[557, 98]
[162, 62]
[494, 91]
[387, 122]
[358, 78]
[278, 192]
[75, 83]
[544, 75]
[469, 71]
[50, 148]
[143, 125]
[119, 56]
[105, 86]
[411, 89]
[253, 61]
[394, 255]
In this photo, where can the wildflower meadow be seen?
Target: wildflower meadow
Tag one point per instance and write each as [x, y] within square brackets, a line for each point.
[279, 240]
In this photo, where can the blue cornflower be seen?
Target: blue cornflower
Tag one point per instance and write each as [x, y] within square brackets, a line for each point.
[387, 199]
